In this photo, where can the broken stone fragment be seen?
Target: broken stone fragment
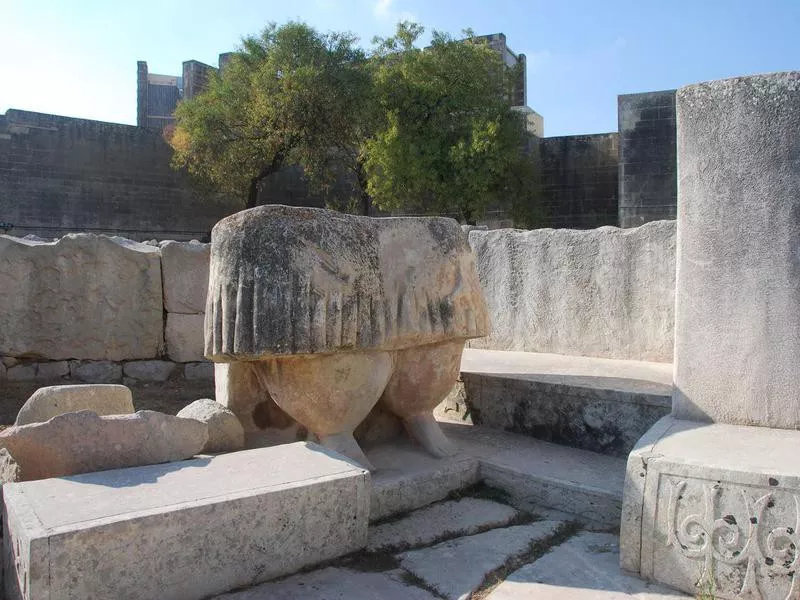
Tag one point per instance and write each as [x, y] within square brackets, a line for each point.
[83, 442]
[334, 311]
[225, 433]
[48, 402]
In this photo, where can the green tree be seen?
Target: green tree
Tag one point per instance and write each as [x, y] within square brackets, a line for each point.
[448, 140]
[289, 96]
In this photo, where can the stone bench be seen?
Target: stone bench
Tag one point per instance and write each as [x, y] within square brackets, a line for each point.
[598, 404]
[183, 530]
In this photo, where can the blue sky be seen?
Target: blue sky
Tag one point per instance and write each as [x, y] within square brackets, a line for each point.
[78, 57]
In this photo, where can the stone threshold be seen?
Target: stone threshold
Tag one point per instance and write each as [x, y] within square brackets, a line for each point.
[585, 485]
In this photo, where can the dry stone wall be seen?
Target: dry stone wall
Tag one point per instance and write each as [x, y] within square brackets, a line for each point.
[97, 309]
[606, 292]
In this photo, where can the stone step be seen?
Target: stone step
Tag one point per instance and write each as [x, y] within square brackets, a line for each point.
[585, 567]
[457, 568]
[183, 530]
[586, 485]
[454, 518]
[596, 404]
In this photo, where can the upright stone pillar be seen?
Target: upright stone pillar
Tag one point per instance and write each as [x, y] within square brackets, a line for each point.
[712, 494]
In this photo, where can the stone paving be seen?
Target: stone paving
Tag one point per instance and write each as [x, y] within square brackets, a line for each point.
[475, 547]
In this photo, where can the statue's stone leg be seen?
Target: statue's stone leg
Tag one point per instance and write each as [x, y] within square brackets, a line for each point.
[330, 394]
[423, 376]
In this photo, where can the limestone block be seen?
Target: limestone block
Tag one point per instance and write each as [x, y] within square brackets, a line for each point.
[51, 401]
[9, 469]
[198, 370]
[21, 372]
[336, 311]
[83, 442]
[185, 269]
[606, 292]
[183, 530]
[585, 567]
[737, 352]
[149, 370]
[184, 335]
[95, 371]
[225, 433]
[52, 370]
[455, 569]
[714, 508]
[81, 297]
[289, 280]
[2, 371]
[455, 518]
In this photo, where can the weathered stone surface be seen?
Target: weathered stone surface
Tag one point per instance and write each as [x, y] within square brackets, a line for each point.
[585, 567]
[46, 371]
[83, 442]
[606, 292]
[183, 530]
[714, 507]
[51, 401]
[457, 568]
[198, 370]
[454, 518]
[287, 280]
[21, 372]
[2, 371]
[335, 311]
[9, 469]
[149, 370]
[9, 361]
[184, 336]
[81, 297]
[738, 300]
[225, 433]
[95, 371]
[185, 269]
[597, 404]
[335, 584]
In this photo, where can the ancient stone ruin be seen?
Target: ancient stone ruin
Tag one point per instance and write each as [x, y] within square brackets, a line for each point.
[336, 312]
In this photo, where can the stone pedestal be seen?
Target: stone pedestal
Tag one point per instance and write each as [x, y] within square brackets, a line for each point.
[712, 493]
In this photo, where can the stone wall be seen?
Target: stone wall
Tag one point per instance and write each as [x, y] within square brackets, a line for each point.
[580, 180]
[607, 292]
[102, 309]
[648, 185]
[59, 175]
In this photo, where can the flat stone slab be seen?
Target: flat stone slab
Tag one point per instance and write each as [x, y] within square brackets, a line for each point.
[585, 567]
[458, 567]
[183, 530]
[634, 376]
[335, 584]
[536, 473]
[451, 519]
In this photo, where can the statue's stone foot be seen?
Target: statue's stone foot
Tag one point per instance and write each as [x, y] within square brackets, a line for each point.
[422, 377]
[344, 443]
[425, 430]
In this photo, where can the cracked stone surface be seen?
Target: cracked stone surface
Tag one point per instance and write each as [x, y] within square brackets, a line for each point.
[585, 567]
[457, 568]
[456, 517]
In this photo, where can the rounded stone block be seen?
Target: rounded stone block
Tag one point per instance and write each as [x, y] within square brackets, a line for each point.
[48, 402]
[225, 433]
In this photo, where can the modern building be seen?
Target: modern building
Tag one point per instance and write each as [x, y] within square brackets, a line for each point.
[157, 95]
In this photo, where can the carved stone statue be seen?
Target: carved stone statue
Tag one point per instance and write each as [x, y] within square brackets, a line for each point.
[335, 312]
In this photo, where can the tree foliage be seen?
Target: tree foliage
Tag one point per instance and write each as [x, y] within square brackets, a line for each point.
[450, 141]
[417, 130]
[287, 97]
